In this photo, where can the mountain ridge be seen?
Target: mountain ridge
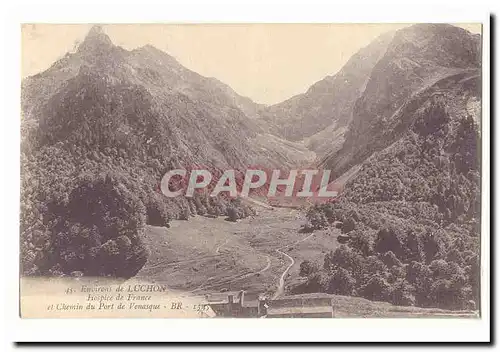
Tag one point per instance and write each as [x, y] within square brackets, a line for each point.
[103, 125]
[395, 78]
[100, 128]
[410, 211]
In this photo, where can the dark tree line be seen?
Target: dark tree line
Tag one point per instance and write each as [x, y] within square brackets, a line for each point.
[412, 220]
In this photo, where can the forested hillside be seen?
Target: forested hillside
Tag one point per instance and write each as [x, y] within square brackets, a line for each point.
[411, 216]
[102, 125]
[100, 128]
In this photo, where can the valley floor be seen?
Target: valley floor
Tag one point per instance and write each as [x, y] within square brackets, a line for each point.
[259, 254]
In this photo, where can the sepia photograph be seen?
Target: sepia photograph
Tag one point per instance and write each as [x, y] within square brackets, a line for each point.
[358, 197]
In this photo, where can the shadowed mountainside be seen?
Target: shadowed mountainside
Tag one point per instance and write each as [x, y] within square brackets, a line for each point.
[100, 128]
[416, 59]
[411, 214]
[102, 125]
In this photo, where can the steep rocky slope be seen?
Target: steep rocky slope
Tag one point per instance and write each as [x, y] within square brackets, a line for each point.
[417, 58]
[411, 215]
[100, 128]
[201, 119]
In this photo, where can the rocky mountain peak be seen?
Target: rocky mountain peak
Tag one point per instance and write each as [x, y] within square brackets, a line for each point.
[96, 41]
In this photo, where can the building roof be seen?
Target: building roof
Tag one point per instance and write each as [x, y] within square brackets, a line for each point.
[306, 296]
[299, 310]
[222, 297]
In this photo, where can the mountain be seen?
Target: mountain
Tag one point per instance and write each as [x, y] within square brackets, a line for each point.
[417, 58]
[190, 117]
[102, 125]
[100, 128]
[328, 103]
[410, 212]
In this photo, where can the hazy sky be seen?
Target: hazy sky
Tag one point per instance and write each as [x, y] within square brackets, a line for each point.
[266, 62]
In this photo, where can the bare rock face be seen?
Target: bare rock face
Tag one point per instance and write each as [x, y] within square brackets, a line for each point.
[417, 58]
[96, 41]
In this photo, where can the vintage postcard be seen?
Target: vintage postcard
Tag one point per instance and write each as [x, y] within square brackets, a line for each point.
[251, 170]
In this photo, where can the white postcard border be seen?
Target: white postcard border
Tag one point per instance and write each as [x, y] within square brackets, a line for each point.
[314, 330]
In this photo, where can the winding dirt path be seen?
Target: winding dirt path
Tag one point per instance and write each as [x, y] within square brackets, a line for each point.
[189, 261]
[281, 282]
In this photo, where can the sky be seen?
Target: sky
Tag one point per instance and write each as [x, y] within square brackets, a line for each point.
[268, 63]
